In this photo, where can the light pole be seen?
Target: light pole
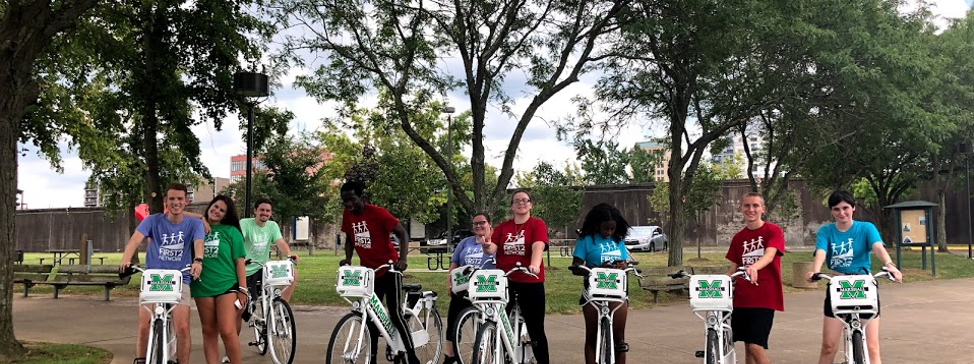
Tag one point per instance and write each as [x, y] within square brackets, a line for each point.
[449, 190]
[966, 150]
[251, 86]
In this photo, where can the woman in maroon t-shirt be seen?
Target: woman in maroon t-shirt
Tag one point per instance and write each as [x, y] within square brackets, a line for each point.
[523, 240]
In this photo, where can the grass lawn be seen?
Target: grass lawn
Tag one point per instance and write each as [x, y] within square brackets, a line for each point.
[43, 353]
[316, 277]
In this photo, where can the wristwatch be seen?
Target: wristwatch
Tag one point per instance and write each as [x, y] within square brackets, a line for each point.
[198, 260]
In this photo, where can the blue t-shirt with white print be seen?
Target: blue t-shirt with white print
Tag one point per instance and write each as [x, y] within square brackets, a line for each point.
[470, 252]
[596, 249]
[170, 245]
[847, 252]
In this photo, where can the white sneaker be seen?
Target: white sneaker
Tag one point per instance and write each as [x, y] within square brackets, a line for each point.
[226, 359]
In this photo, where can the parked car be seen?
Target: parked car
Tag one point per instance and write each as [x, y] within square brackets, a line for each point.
[646, 238]
[458, 235]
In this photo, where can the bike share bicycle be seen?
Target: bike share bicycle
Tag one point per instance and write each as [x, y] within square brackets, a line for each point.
[712, 300]
[605, 286]
[350, 341]
[270, 315]
[489, 294]
[852, 297]
[160, 292]
[469, 319]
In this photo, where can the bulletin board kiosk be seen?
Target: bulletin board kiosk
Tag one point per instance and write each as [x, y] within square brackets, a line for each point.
[915, 227]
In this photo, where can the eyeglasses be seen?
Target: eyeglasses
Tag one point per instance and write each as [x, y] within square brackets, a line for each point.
[479, 223]
[520, 200]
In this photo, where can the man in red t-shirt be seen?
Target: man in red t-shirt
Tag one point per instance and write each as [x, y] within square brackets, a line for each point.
[758, 248]
[367, 228]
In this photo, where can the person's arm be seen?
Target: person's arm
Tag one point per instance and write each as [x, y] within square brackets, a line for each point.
[403, 246]
[206, 224]
[286, 249]
[537, 256]
[816, 263]
[767, 258]
[349, 248]
[733, 268]
[880, 250]
[130, 249]
[449, 278]
[197, 267]
[577, 261]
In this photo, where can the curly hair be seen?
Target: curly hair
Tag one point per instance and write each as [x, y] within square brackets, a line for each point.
[231, 218]
[601, 213]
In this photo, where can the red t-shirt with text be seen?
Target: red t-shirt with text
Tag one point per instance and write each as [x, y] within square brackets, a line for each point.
[514, 245]
[370, 231]
[746, 248]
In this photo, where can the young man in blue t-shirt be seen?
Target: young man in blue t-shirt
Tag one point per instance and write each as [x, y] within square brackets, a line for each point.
[175, 241]
[845, 246]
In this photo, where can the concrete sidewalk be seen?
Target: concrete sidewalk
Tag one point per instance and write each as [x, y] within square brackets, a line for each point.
[923, 322]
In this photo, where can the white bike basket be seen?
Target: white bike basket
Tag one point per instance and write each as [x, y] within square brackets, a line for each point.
[854, 294]
[460, 278]
[355, 281]
[608, 283]
[161, 286]
[279, 273]
[711, 293]
[488, 285]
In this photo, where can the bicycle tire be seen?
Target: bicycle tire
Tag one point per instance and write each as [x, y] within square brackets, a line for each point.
[350, 325]
[435, 334]
[465, 334]
[155, 340]
[484, 346]
[606, 341]
[711, 354]
[258, 321]
[858, 354]
[281, 332]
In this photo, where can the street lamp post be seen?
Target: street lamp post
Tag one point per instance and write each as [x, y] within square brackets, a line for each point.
[449, 190]
[251, 86]
[966, 149]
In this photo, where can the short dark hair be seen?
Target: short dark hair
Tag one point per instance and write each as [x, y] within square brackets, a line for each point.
[601, 213]
[841, 196]
[355, 186]
[521, 190]
[176, 186]
[484, 214]
[753, 194]
[262, 200]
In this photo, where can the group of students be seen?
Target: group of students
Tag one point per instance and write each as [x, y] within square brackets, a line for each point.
[215, 245]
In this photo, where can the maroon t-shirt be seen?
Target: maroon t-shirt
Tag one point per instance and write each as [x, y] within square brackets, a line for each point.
[746, 248]
[514, 245]
[370, 231]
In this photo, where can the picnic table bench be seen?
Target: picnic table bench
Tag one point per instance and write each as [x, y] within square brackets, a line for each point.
[31, 274]
[82, 275]
[57, 255]
[658, 279]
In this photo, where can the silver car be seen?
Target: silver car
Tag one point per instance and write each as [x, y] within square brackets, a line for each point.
[646, 238]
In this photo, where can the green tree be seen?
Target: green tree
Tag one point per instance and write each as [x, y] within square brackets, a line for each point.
[557, 195]
[643, 164]
[603, 162]
[398, 46]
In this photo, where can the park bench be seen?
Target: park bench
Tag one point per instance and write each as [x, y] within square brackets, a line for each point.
[658, 279]
[82, 275]
[31, 274]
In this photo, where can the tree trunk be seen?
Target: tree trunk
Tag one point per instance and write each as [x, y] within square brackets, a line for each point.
[150, 120]
[941, 221]
[677, 218]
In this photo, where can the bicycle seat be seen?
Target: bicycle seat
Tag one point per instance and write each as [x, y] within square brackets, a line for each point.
[410, 287]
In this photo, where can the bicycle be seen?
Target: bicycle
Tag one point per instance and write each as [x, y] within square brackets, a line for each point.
[469, 319]
[160, 293]
[352, 334]
[489, 293]
[855, 295]
[607, 285]
[269, 307]
[713, 295]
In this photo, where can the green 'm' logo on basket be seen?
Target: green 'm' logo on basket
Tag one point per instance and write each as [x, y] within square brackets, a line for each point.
[460, 278]
[279, 271]
[486, 284]
[710, 290]
[160, 283]
[606, 280]
[852, 289]
[352, 278]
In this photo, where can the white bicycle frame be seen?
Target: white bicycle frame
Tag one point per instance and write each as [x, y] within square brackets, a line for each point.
[607, 285]
[712, 300]
[489, 294]
[276, 276]
[159, 294]
[851, 297]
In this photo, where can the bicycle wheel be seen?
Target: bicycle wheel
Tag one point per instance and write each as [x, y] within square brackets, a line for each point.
[428, 320]
[606, 342]
[465, 335]
[858, 354]
[350, 341]
[155, 339]
[258, 321]
[485, 344]
[712, 345]
[171, 344]
[281, 332]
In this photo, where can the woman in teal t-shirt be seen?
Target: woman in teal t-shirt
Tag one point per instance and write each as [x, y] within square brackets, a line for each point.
[222, 284]
[601, 243]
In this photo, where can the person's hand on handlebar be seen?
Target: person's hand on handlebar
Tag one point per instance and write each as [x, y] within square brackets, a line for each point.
[294, 257]
[809, 276]
[534, 268]
[752, 272]
[401, 265]
[344, 262]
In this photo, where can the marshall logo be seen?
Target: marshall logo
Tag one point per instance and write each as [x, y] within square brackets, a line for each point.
[161, 283]
[486, 284]
[606, 280]
[852, 289]
[350, 278]
[280, 271]
[710, 290]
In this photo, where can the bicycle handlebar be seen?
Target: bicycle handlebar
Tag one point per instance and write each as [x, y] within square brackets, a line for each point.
[132, 269]
[630, 269]
[741, 271]
[519, 268]
[290, 258]
[885, 273]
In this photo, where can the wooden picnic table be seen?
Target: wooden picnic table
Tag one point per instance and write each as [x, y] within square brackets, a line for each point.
[60, 254]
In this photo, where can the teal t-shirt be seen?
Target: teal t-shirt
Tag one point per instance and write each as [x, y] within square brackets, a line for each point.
[258, 241]
[221, 248]
[847, 252]
[596, 249]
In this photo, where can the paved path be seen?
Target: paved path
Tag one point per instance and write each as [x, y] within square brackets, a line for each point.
[923, 322]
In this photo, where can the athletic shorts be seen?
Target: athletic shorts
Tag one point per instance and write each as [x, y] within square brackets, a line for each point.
[254, 282]
[828, 305]
[752, 325]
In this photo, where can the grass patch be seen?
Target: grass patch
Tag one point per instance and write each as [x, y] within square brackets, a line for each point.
[316, 277]
[44, 353]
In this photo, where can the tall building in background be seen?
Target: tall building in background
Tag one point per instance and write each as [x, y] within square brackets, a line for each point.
[205, 191]
[92, 194]
[662, 154]
[755, 143]
[238, 166]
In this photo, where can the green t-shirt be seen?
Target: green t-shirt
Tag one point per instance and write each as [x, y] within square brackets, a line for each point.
[222, 246]
[258, 241]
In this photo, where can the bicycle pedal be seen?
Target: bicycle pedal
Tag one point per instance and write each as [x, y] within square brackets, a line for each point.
[622, 347]
[698, 354]
[253, 343]
[530, 343]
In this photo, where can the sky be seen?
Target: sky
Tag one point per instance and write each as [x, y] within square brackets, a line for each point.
[44, 187]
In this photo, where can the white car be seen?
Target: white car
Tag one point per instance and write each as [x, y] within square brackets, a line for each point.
[646, 238]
